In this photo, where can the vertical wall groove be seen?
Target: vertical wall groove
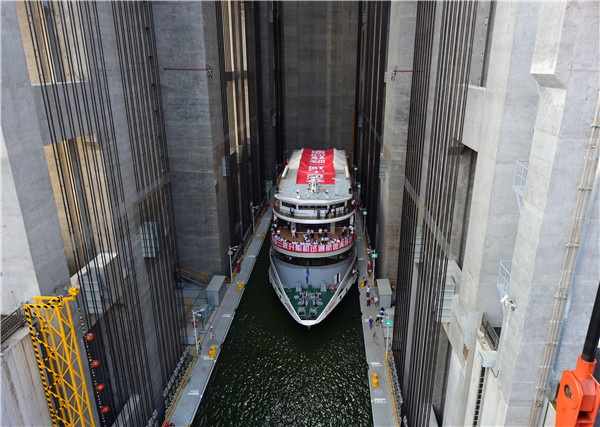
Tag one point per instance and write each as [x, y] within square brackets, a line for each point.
[430, 208]
[76, 92]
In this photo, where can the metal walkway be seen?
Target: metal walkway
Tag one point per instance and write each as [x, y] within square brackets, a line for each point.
[220, 321]
[383, 405]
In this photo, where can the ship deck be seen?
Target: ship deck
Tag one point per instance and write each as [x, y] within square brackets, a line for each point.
[286, 233]
[309, 303]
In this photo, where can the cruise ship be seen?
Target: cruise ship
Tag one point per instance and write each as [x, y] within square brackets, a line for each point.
[313, 256]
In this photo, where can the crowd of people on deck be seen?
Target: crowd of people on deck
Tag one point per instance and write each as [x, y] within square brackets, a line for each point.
[310, 236]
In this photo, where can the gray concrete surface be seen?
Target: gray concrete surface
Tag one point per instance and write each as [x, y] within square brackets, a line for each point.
[319, 40]
[194, 131]
[382, 399]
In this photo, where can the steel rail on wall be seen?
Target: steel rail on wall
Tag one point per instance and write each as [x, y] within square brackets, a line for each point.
[419, 326]
[371, 108]
[82, 134]
[412, 186]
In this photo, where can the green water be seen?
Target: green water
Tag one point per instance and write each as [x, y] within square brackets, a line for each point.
[274, 372]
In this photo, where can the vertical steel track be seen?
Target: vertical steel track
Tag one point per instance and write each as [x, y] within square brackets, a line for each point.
[420, 296]
[82, 130]
[371, 105]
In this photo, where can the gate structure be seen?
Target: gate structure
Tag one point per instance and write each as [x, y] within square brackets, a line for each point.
[57, 354]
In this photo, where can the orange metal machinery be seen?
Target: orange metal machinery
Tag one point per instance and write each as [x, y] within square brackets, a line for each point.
[579, 393]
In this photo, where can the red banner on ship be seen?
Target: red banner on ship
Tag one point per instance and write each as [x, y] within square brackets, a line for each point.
[318, 163]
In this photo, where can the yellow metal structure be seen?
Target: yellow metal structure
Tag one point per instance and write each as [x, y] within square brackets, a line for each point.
[57, 354]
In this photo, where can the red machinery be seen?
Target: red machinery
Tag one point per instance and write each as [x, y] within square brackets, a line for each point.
[579, 393]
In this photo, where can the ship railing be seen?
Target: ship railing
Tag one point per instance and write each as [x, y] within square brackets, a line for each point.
[275, 274]
[340, 288]
[307, 248]
[339, 212]
[350, 267]
[274, 271]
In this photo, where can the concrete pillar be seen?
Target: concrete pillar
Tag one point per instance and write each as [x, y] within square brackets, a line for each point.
[397, 107]
[23, 399]
[186, 37]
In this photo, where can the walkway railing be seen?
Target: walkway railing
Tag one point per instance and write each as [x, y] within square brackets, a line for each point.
[192, 275]
[12, 323]
[490, 332]
[242, 248]
[182, 383]
[396, 391]
[520, 180]
[504, 276]
[339, 212]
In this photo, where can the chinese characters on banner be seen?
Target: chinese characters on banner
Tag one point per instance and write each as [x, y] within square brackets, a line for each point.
[318, 163]
[308, 248]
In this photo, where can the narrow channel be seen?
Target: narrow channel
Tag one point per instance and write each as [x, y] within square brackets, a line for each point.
[273, 371]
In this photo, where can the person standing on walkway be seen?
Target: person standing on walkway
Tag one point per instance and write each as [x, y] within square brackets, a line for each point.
[370, 322]
[368, 301]
[376, 301]
[212, 333]
[368, 290]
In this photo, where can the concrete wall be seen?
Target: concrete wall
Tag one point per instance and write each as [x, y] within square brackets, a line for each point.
[512, 118]
[18, 280]
[493, 407]
[498, 123]
[23, 398]
[26, 134]
[395, 132]
[566, 65]
[319, 73]
[492, 222]
[265, 38]
[186, 35]
[41, 241]
[454, 388]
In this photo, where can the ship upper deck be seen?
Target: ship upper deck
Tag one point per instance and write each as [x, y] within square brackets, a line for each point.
[325, 182]
[318, 245]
